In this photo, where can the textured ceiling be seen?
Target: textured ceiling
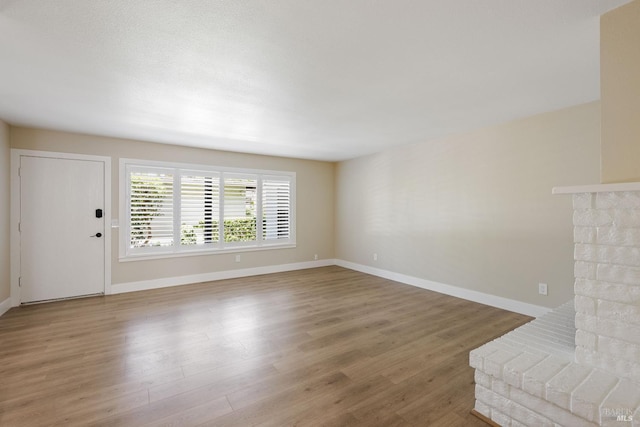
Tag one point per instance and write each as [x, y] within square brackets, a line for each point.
[321, 79]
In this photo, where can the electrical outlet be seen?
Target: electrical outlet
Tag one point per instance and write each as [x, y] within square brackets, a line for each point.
[375, 257]
[237, 258]
[542, 288]
[315, 257]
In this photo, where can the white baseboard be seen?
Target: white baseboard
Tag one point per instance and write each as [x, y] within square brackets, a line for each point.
[455, 291]
[143, 285]
[5, 306]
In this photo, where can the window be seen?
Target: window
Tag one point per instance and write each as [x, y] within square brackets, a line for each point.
[199, 211]
[276, 205]
[240, 209]
[181, 209]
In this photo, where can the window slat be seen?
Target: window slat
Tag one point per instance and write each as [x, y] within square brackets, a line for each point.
[276, 209]
[199, 210]
[151, 209]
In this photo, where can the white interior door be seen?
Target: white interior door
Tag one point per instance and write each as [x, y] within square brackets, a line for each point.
[62, 244]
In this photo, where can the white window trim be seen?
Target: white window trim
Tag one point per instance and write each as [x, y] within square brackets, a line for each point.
[219, 248]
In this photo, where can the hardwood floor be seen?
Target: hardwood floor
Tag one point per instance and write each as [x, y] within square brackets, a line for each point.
[320, 347]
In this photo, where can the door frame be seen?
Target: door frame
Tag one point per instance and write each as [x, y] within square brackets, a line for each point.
[14, 220]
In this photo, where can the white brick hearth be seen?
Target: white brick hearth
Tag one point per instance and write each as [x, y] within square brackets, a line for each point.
[580, 364]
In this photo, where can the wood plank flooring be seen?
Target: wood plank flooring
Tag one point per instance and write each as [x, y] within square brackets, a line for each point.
[319, 347]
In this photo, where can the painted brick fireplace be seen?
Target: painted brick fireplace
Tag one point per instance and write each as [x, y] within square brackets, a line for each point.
[580, 364]
[607, 287]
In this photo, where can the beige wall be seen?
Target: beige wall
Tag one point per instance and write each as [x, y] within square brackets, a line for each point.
[4, 211]
[474, 210]
[314, 200]
[620, 86]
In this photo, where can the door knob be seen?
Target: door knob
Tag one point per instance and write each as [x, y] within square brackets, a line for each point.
[97, 235]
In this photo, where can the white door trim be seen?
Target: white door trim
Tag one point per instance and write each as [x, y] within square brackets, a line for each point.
[15, 213]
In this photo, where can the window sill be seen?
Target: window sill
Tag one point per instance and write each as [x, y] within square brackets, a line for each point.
[146, 257]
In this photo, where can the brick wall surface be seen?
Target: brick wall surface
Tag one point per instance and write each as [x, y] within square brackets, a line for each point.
[607, 287]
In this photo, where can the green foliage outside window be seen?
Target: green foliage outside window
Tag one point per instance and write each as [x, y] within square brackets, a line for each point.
[235, 230]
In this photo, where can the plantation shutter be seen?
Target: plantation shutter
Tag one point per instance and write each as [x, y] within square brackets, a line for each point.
[151, 208]
[276, 208]
[169, 209]
[240, 208]
[199, 209]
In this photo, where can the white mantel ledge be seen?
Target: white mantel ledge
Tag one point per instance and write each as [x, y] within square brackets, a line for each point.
[597, 188]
